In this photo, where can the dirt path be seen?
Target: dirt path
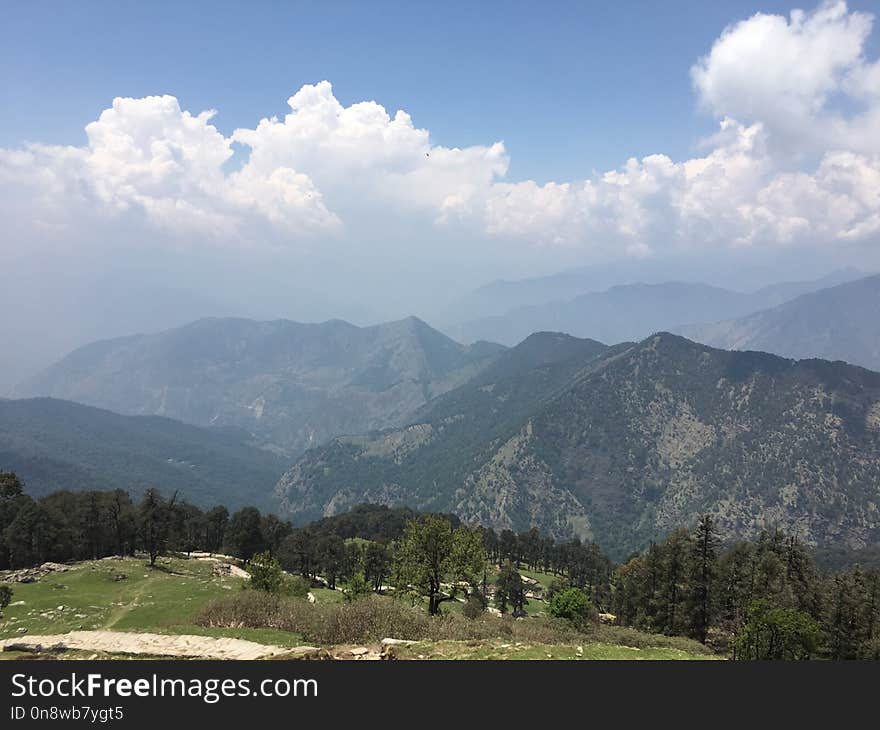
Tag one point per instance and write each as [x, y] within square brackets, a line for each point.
[124, 642]
[119, 612]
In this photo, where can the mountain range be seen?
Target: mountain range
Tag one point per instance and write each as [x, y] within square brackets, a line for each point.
[614, 442]
[54, 444]
[621, 444]
[289, 385]
[625, 311]
[838, 323]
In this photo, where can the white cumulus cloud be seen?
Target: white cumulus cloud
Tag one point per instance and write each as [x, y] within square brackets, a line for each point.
[791, 74]
[796, 160]
[148, 157]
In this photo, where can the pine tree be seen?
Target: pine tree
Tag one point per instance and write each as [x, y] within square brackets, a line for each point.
[509, 589]
[704, 569]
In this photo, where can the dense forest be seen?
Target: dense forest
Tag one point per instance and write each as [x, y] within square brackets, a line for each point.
[760, 599]
[53, 444]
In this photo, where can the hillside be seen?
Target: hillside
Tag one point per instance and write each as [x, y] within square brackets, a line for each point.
[624, 444]
[421, 463]
[54, 444]
[291, 385]
[839, 323]
[172, 613]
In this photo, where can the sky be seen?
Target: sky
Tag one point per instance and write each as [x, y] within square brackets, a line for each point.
[162, 161]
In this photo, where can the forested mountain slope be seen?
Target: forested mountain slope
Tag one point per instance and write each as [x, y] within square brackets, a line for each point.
[291, 385]
[53, 444]
[623, 444]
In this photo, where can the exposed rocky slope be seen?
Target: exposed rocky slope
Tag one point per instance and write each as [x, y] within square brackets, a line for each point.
[624, 444]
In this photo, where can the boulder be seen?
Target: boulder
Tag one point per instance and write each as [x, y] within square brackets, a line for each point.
[31, 575]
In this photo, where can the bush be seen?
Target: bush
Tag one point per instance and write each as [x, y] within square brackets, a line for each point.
[5, 596]
[475, 605]
[557, 585]
[242, 610]
[295, 585]
[574, 605]
[777, 633]
[369, 619]
[641, 640]
[372, 619]
[356, 587]
[266, 573]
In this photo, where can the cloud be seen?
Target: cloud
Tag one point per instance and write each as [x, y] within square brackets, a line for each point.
[733, 196]
[790, 94]
[149, 158]
[362, 153]
[806, 79]
[796, 160]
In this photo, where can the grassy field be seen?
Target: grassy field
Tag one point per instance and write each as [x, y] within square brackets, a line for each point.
[167, 599]
[325, 595]
[545, 579]
[162, 599]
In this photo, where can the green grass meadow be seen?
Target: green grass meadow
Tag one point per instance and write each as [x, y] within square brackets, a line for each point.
[163, 600]
[166, 599]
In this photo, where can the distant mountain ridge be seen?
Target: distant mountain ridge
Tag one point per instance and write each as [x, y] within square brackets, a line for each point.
[289, 384]
[54, 444]
[625, 312]
[621, 444]
[631, 311]
[838, 323]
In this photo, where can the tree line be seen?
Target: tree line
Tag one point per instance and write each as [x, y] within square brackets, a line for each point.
[67, 526]
[760, 599]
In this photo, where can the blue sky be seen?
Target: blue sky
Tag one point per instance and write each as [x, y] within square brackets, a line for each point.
[569, 86]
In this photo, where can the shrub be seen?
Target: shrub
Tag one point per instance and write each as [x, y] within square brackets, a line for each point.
[557, 585]
[372, 618]
[356, 587]
[266, 573]
[547, 631]
[572, 604]
[641, 640]
[777, 633]
[241, 610]
[5, 596]
[475, 605]
[327, 623]
[295, 585]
